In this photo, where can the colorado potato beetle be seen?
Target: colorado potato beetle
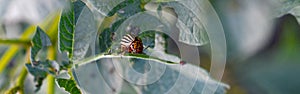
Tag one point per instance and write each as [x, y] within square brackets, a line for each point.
[132, 44]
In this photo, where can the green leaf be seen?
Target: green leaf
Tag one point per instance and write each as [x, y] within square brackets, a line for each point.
[163, 0]
[39, 75]
[13, 90]
[124, 8]
[40, 70]
[148, 38]
[288, 41]
[39, 66]
[99, 77]
[107, 35]
[77, 30]
[287, 7]
[296, 12]
[284, 6]
[159, 77]
[120, 6]
[40, 40]
[131, 8]
[191, 21]
[69, 85]
[108, 7]
[164, 78]
[116, 25]
[105, 40]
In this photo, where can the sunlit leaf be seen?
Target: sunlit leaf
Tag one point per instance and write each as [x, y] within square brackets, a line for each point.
[125, 8]
[108, 7]
[162, 78]
[68, 85]
[283, 7]
[77, 29]
[130, 9]
[296, 12]
[99, 77]
[159, 77]
[191, 22]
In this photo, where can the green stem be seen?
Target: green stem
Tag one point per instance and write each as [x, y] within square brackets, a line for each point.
[21, 79]
[15, 42]
[50, 78]
[138, 56]
[70, 73]
[19, 87]
[51, 84]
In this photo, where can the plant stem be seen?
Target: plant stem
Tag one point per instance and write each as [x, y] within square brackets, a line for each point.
[50, 78]
[21, 79]
[7, 57]
[138, 56]
[70, 73]
[52, 32]
[11, 52]
[51, 84]
[15, 42]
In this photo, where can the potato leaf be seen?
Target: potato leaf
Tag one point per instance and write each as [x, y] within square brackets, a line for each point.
[105, 40]
[39, 75]
[98, 77]
[69, 85]
[156, 77]
[125, 8]
[283, 7]
[191, 21]
[40, 40]
[77, 30]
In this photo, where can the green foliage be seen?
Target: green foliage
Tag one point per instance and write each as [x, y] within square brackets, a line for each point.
[120, 6]
[174, 79]
[13, 90]
[77, 37]
[98, 71]
[66, 28]
[39, 75]
[106, 37]
[105, 40]
[134, 7]
[76, 29]
[91, 75]
[190, 21]
[39, 69]
[148, 38]
[284, 6]
[69, 85]
[98, 64]
[116, 25]
[39, 41]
